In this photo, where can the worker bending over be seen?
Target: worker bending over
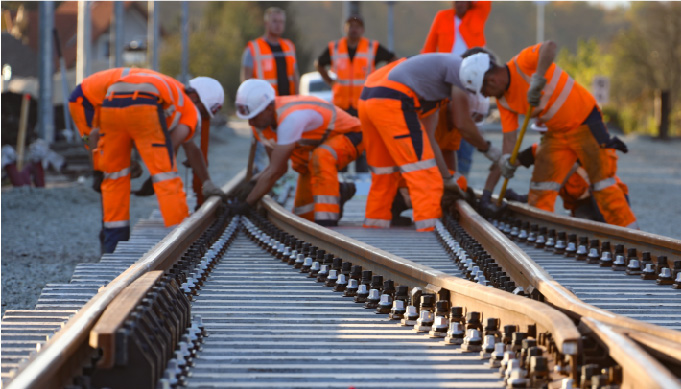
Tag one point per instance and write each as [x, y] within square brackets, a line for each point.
[575, 127]
[318, 137]
[159, 114]
[397, 142]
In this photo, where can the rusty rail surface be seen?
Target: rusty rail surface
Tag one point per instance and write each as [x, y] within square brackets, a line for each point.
[54, 363]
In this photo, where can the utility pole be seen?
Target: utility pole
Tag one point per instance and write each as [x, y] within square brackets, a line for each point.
[391, 29]
[83, 41]
[152, 35]
[184, 78]
[116, 60]
[45, 70]
[540, 21]
[349, 8]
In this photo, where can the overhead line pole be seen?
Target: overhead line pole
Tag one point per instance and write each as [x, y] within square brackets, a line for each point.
[45, 71]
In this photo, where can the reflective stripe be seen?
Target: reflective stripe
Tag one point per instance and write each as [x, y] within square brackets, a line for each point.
[303, 209]
[567, 88]
[420, 165]
[256, 57]
[384, 170]
[427, 223]
[117, 175]
[176, 120]
[380, 223]
[125, 72]
[170, 91]
[325, 216]
[600, 185]
[546, 185]
[456, 176]
[326, 199]
[359, 82]
[129, 87]
[504, 103]
[118, 224]
[329, 106]
[163, 176]
[550, 87]
[330, 150]
[523, 75]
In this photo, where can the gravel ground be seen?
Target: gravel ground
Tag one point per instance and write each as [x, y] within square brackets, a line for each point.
[46, 232]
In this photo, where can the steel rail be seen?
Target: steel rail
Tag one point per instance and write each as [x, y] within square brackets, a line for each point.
[54, 363]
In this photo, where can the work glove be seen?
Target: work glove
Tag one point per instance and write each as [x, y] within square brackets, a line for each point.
[507, 169]
[537, 82]
[488, 208]
[492, 153]
[513, 196]
[242, 190]
[209, 189]
[238, 207]
[451, 185]
[97, 178]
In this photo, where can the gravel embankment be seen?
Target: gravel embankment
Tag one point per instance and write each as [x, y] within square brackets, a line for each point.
[46, 232]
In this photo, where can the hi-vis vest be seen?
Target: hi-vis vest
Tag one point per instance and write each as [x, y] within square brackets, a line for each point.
[350, 75]
[564, 105]
[335, 122]
[95, 86]
[264, 65]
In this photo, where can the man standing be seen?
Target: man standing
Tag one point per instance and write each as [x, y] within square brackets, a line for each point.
[454, 31]
[575, 127]
[352, 58]
[397, 142]
[319, 138]
[159, 114]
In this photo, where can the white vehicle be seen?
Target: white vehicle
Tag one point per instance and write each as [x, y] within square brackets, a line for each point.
[312, 84]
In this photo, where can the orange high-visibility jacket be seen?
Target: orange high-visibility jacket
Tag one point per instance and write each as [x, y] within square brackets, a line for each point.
[336, 121]
[564, 105]
[95, 86]
[177, 106]
[350, 75]
[472, 29]
[264, 65]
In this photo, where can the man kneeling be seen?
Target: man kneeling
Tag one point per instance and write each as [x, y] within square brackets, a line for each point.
[318, 137]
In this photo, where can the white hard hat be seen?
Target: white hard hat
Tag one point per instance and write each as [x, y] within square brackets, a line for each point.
[252, 97]
[478, 104]
[539, 127]
[210, 93]
[472, 71]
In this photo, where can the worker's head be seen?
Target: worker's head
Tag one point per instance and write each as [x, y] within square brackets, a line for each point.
[255, 102]
[275, 21]
[461, 7]
[354, 27]
[207, 94]
[480, 73]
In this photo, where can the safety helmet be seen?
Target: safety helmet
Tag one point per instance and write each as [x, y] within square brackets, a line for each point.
[479, 105]
[210, 93]
[472, 71]
[252, 97]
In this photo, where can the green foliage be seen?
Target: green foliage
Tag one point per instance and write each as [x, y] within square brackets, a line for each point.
[217, 43]
[588, 62]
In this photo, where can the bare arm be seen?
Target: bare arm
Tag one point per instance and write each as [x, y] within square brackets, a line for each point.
[324, 73]
[547, 53]
[246, 69]
[463, 121]
[277, 167]
[507, 146]
[196, 160]
[430, 123]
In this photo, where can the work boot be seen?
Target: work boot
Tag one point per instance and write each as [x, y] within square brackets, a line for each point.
[135, 169]
[398, 206]
[488, 208]
[147, 189]
[347, 190]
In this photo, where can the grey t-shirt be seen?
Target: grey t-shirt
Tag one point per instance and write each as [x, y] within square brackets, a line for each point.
[430, 76]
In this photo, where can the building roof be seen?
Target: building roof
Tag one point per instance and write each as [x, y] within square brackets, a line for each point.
[22, 59]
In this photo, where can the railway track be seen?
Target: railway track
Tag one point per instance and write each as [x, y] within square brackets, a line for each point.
[222, 302]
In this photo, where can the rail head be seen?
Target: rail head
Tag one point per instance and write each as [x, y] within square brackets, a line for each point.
[508, 307]
[46, 369]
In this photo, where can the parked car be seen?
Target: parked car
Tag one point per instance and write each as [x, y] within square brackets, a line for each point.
[312, 84]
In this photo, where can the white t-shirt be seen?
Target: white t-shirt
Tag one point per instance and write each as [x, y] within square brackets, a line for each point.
[459, 44]
[296, 123]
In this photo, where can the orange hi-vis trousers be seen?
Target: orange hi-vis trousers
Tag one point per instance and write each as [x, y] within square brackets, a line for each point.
[318, 190]
[555, 158]
[138, 118]
[396, 143]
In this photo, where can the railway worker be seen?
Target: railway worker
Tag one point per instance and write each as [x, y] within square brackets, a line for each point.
[397, 142]
[159, 114]
[575, 127]
[273, 59]
[454, 31]
[352, 58]
[319, 138]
